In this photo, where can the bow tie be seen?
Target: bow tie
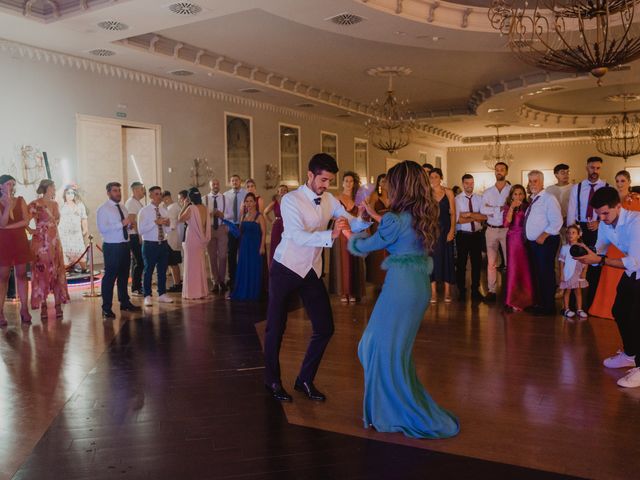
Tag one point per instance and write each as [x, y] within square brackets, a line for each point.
[317, 200]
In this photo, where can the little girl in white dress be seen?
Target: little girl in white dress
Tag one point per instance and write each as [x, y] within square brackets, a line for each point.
[572, 274]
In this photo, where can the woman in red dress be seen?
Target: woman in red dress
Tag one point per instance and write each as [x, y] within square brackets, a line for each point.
[14, 246]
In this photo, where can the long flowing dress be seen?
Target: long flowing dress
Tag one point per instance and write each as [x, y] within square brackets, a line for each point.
[394, 398]
[610, 277]
[375, 272]
[443, 262]
[48, 274]
[14, 244]
[277, 227]
[248, 284]
[519, 290]
[347, 271]
[194, 283]
[70, 229]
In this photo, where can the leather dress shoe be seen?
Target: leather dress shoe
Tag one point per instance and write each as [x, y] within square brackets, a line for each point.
[477, 296]
[279, 393]
[108, 314]
[129, 307]
[309, 390]
[490, 297]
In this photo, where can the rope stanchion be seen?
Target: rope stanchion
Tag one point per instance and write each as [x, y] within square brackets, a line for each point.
[73, 264]
[92, 290]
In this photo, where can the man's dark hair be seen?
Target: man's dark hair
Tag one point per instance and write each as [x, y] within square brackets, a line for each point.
[154, 188]
[608, 196]
[166, 193]
[323, 162]
[437, 171]
[110, 185]
[467, 176]
[183, 193]
[428, 166]
[594, 159]
[503, 164]
[235, 175]
[136, 184]
[560, 166]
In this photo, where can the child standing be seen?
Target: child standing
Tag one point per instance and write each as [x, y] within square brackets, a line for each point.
[572, 273]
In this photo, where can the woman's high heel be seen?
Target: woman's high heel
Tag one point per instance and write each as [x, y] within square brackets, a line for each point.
[59, 313]
[25, 317]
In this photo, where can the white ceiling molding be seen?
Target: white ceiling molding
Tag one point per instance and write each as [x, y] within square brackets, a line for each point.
[50, 10]
[532, 137]
[564, 120]
[219, 64]
[438, 132]
[83, 64]
[518, 146]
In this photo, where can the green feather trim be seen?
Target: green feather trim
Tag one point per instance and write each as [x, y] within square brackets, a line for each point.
[417, 262]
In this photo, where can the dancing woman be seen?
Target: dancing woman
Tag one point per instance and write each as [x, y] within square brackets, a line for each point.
[394, 398]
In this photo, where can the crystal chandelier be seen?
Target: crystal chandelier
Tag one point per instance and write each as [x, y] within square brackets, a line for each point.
[576, 36]
[391, 125]
[497, 151]
[621, 137]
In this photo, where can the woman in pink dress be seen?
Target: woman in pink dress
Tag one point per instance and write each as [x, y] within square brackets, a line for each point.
[277, 227]
[198, 234]
[519, 288]
[48, 274]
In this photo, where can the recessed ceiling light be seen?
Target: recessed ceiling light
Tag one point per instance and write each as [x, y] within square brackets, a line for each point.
[250, 90]
[181, 73]
[102, 52]
[305, 105]
[400, 34]
[555, 88]
[113, 25]
[534, 124]
[185, 8]
[345, 19]
[495, 110]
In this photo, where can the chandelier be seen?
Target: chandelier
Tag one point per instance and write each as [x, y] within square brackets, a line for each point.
[497, 151]
[576, 36]
[391, 124]
[621, 137]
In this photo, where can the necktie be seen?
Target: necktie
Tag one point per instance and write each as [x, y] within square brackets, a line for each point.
[124, 229]
[215, 217]
[317, 200]
[526, 215]
[473, 224]
[589, 207]
[235, 207]
[160, 229]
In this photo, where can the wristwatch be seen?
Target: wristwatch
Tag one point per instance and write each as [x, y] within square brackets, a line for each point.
[603, 259]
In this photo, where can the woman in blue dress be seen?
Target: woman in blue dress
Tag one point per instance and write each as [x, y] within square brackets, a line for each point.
[394, 398]
[248, 284]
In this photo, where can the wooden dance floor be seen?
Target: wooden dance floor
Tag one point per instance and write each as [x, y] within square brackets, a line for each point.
[177, 393]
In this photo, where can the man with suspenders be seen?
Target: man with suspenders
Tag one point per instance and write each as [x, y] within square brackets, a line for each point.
[217, 247]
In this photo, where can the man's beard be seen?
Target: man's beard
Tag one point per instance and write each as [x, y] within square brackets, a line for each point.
[594, 176]
[500, 178]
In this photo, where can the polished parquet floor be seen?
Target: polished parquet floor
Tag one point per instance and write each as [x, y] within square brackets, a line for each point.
[177, 392]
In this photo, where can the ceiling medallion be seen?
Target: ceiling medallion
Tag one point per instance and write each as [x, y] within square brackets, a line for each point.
[576, 36]
[391, 124]
[497, 151]
[621, 137]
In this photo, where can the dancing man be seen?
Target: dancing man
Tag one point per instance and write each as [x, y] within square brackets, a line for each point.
[297, 268]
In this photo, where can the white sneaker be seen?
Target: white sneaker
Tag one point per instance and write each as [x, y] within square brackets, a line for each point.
[582, 314]
[164, 298]
[148, 301]
[620, 360]
[631, 379]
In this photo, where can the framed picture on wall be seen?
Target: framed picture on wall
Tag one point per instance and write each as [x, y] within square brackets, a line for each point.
[438, 162]
[483, 180]
[635, 175]
[289, 155]
[361, 158]
[329, 144]
[238, 146]
[549, 177]
[423, 158]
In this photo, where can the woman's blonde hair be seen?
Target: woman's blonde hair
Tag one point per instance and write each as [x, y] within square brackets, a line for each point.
[409, 191]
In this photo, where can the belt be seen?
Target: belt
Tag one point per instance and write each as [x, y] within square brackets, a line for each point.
[495, 226]
[155, 241]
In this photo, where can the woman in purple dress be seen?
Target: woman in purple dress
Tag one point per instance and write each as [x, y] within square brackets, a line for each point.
[277, 226]
[519, 289]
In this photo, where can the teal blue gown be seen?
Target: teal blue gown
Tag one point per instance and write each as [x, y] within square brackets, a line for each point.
[394, 398]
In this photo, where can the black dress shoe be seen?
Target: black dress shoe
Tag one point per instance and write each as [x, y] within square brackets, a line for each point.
[129, 307]
[477, 296]
[108, 314]
[309, 390]
[279, 393]
[490, 297]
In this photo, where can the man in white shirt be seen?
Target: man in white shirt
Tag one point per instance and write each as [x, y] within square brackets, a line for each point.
[582, 213]
[234, 198]
[153, 226]
[562, 189]
[113, 222]
[542, 223]
[174, 241]
[297, 268]
[217, 248]
[621, 228]
[133, 206]
[469, 238]
[493, 205]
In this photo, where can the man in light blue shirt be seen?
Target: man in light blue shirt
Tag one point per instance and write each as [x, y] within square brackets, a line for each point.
[234, 200]
[621, 228]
